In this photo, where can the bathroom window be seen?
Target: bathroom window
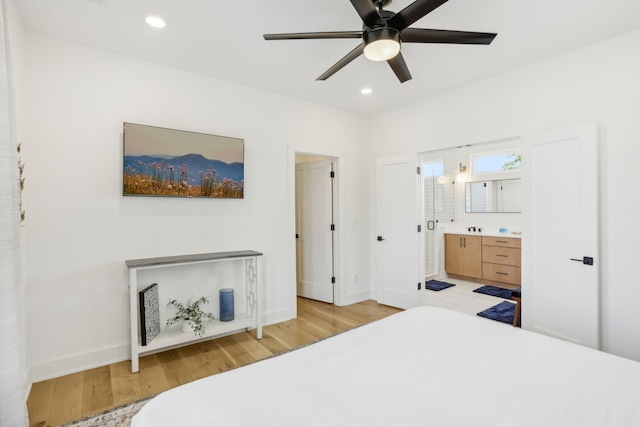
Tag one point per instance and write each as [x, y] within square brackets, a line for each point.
[433, 168]
[497, 161]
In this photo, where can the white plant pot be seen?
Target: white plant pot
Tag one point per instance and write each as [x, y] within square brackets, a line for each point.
[187, 326]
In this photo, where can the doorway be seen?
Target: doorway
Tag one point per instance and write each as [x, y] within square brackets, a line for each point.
[315, 226]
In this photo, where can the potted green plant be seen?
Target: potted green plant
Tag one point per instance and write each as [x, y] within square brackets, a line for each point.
[191, 314]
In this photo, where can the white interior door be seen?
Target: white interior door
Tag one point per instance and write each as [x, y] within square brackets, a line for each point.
[560, 292]
[314, 219]
[397, 236]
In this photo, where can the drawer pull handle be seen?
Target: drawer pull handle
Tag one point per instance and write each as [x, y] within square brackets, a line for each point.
[503, 256]
[504, 274]
[501, 241]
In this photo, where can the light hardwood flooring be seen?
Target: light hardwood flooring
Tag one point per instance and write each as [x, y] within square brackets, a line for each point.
[71, 397]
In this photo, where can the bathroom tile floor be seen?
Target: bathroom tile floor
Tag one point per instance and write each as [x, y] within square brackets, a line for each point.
[461, 297]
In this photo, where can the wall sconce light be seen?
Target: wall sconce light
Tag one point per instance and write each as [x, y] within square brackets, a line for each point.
[443, 179]
[462, 176]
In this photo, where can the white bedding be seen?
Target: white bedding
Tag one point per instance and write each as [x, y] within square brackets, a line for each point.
[426, 366]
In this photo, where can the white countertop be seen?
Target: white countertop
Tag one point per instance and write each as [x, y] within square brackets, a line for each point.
[488, 231]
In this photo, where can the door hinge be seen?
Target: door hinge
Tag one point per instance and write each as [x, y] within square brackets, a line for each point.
[333, 279]
[419, 285]
[333, 227]
[332, 174]
[418, 170]
[419, 228]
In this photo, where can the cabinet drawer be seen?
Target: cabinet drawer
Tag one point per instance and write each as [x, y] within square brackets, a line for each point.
[498, 255]
[506, 242]
[501, 273]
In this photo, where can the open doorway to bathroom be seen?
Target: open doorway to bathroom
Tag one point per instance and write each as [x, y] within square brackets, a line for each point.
[472, 186]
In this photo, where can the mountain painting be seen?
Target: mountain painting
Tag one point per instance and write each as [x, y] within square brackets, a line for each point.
[176, 163]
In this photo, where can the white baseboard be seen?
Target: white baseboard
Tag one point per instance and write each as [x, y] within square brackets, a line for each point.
[47, 370]
[278, 316]
[79, 362]
[28, 384]
[357, 297]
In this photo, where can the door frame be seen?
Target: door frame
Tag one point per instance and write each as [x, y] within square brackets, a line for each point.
[338, 212]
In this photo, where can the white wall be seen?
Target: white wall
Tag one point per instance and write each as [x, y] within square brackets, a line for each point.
[80, 230]
[597, 83]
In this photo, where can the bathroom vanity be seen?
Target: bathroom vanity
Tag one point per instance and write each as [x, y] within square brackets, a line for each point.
[483, 258]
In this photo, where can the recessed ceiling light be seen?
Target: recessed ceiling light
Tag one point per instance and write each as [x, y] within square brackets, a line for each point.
[366, 91]
[155, 21]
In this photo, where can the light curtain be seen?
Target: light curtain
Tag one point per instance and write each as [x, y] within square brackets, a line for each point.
[13, 381]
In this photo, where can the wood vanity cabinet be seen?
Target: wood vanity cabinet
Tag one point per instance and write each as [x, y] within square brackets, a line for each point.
[485, 259]
[463, 255]
[501, 259]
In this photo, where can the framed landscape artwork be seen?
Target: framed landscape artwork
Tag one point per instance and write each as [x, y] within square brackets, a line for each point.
[175, 163]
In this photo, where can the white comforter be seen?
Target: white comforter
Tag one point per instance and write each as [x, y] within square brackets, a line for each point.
[422, 367]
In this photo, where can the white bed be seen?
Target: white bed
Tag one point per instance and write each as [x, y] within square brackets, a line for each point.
[422, 367]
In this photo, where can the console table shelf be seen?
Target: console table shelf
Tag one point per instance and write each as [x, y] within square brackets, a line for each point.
[173, 336]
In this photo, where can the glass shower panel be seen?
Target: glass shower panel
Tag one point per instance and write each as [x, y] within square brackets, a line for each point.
[438, 196]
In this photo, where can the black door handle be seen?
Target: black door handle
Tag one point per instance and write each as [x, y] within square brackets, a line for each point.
[587, 260]
[380, 239]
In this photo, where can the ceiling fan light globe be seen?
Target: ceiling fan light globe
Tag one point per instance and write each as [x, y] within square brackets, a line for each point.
[381, 44]
[382, 50]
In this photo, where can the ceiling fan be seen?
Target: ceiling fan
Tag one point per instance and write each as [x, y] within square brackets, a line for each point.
[383, 31]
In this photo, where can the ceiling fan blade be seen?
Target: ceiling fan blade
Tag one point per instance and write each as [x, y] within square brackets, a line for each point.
[321, 35]
[368, 13]
[413, 12]
[344, 61]
[424, 35]
[400, 67]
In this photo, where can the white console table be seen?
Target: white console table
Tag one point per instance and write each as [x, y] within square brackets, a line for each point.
[174, 337]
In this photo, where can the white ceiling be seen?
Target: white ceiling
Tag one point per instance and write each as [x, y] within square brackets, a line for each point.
[224, 40]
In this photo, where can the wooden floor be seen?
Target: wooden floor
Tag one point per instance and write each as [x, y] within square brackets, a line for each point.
[69, 398]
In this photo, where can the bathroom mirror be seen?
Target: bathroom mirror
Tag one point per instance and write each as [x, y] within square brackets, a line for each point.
[493, 196]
